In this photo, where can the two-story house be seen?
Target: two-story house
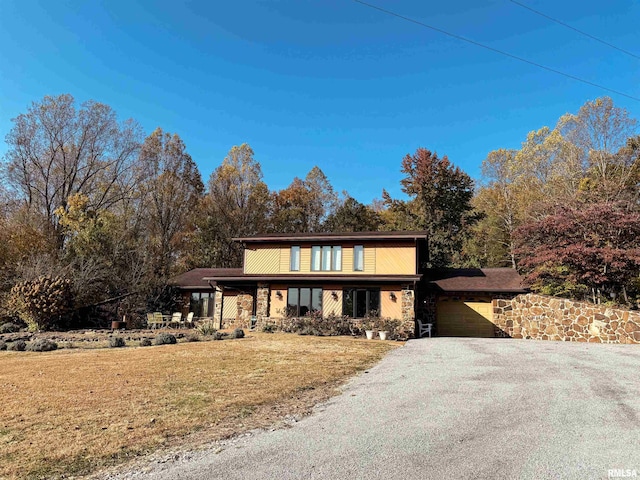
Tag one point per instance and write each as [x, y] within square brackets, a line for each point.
[354, 274]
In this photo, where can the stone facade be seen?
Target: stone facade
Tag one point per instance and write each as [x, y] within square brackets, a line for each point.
[262, 301]
[548, 318]
[245, 311]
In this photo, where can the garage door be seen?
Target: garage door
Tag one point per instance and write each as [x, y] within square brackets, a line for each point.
[464, 317]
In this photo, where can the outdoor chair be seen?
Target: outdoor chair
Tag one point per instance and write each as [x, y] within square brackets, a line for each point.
[424, 328]
[189, 321]
[152, 322]
[176, 319]
[158, 319]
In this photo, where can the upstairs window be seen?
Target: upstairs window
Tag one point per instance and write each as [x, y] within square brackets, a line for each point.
[326, 258]
[358, 258]
[294, 264]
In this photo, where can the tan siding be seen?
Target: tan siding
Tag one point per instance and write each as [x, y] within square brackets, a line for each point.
[331, 306]
[305, 260]
[347, 260]
[278, 305]
[262, 260]
[395, 260]
[229, 308]
[285, 259]
[391, 308]
[370, 258]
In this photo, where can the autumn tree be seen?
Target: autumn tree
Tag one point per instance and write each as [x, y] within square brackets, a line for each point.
[574, 251]
[352, 216]
[304, 205]
[57, 150]
[172, 192]
[439, 202]
[236, 204]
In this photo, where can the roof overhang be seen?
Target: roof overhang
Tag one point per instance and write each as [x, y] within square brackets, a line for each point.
[322, 237]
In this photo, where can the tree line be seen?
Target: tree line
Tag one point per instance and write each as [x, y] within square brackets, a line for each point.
[91, 199]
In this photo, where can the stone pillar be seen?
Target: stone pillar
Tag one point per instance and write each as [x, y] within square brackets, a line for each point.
[217, 308]
[408, 312]
[262, 301]
[245, 309]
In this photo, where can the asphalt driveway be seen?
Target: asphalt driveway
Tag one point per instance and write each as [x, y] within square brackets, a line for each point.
[447, 408]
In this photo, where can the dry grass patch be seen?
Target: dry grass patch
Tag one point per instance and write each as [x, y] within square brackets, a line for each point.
[70, 412]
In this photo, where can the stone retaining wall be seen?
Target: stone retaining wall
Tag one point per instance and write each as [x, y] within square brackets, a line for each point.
[549, 318]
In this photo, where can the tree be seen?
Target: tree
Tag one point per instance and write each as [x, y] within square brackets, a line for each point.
[594, 248]
[236, 205]
[304, 205]
[352, 216]
[440, 203]
[173, 191]
[56, 151]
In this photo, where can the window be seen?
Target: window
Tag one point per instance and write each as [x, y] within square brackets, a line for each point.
[301, 301]
[202, 303]
[360, 302]
[326, 258]
[358, 258]
[294, 264]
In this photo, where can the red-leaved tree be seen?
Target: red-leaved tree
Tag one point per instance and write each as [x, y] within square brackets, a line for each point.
[592, 250]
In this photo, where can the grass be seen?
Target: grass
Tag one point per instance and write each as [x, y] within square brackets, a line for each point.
[70, 412]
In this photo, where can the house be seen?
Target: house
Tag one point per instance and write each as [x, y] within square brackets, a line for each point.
[355, 274]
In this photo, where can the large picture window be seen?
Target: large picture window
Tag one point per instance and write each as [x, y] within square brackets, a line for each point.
[294, 263]
[326, 258]
[360, 302]
[302, 300]
[202, 304]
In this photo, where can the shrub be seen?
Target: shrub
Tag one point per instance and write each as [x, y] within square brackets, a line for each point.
[318, 325]
[192, 337]
[17, 346]
[207, 328]
[145, 342]
[269, 327]
[9, 327]
[116, 342]
[42, 345]
[237, 333]
[165, 339]
[219, 336]
[41, 302]
[3, 345]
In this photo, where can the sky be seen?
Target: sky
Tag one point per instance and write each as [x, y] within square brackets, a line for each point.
[331, 83]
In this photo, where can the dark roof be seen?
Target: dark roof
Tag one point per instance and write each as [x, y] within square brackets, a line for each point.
[309, 237]
[476, 280]
[196, 278]
[315, 278]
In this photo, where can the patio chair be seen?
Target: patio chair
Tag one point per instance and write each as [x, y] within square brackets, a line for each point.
[423, 328]
[176, 319]
[158, 319]
[189, 321]
[151, 321]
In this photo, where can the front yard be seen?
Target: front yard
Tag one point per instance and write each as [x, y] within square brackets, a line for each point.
[72, 411]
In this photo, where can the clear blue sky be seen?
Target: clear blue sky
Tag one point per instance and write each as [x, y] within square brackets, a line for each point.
[329, 83]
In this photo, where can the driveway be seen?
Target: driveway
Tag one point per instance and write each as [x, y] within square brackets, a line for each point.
[446, 408]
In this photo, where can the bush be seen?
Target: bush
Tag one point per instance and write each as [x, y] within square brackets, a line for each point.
[3, 345]
[237, 333]
[219, 336]
[192, 337]
[9, 327]
[316, 324]
[42, 345]
[17, 346]
[269, 327]
[165, 339]
[207, 328]
[41, 302]
[116, 342]
[145, 342]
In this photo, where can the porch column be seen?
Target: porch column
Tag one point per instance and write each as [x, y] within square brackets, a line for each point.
[408, 312]
[262, 303]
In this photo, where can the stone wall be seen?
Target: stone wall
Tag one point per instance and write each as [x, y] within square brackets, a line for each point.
[549, 318]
